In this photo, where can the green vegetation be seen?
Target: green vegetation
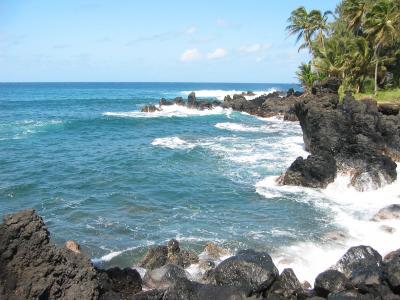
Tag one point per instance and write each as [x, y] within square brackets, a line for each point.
[386, 96]
[358, 44]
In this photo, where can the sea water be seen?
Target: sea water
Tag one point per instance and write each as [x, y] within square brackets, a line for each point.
[117, 180]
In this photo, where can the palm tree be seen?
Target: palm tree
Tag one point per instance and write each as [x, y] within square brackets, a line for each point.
[306, 76]
[319, 25]
[382, 25]
[353, 12]
[299, 25]
[307, 26]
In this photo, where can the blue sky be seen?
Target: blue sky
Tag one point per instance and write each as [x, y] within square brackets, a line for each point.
[121, 40]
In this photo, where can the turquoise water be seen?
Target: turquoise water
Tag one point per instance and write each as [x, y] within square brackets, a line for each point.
[117, 180]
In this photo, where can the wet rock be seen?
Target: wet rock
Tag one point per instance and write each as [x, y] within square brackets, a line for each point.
[330, 281]
[237, 102]
[73, 246]
[164, 277]
[306, 285]
[159, 256]
[287, 285]
[178, 101]
[188, 290]
[189, 258]
[391, 270]
[316, 171]
[362, 265]
[192, 101]
[32, 268]
[248, 270]
[389, 212]
[148, 295]
[350, 295]
[355, 133]
[150, 108]
[206, 265]
[120, 283]
[155, 257]
[175, 101]
[214, 251]
[387, 229]
[335, 236]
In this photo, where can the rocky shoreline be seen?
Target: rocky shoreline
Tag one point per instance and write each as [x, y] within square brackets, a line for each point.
[31, 267]
[359, 138]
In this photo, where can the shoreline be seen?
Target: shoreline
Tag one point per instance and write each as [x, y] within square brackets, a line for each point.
[25, 242]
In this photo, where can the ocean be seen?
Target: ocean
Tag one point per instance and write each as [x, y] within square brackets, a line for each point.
[117, 181]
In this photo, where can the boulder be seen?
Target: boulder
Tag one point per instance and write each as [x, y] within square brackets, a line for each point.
[32, 268]
[249, 270]
[189, 290]
[330, 281]
[148, 295]
[388, 212]
[164, 277]
[287, 285]
[154, 258]
[362, 265]
[316, 171]
[214, 251]
[391, 270]
[350, 295]
[159, 256]
[119, 283]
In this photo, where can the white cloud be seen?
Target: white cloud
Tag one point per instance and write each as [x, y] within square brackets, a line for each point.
[190, 30]
[217, 53]
[191, 55]
[252, 48]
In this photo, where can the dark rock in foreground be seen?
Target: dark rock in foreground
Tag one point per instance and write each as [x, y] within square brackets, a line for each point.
[32, 268]
[164, 277]
[249, 270]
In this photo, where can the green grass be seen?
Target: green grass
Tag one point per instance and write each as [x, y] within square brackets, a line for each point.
[387, 96]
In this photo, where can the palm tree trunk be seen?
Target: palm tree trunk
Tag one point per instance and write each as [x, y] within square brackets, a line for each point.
[376, 77]
[376, 68]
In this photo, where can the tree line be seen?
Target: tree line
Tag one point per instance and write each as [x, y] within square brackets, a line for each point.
[358, 43]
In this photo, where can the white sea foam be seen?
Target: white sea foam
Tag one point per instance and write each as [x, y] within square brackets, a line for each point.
[351, 212]
[109, 256]
[245, 128]
[172, 143]
[221, 94]
[170, 111]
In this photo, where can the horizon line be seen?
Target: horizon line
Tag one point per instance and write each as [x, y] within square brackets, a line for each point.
[201, 82]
